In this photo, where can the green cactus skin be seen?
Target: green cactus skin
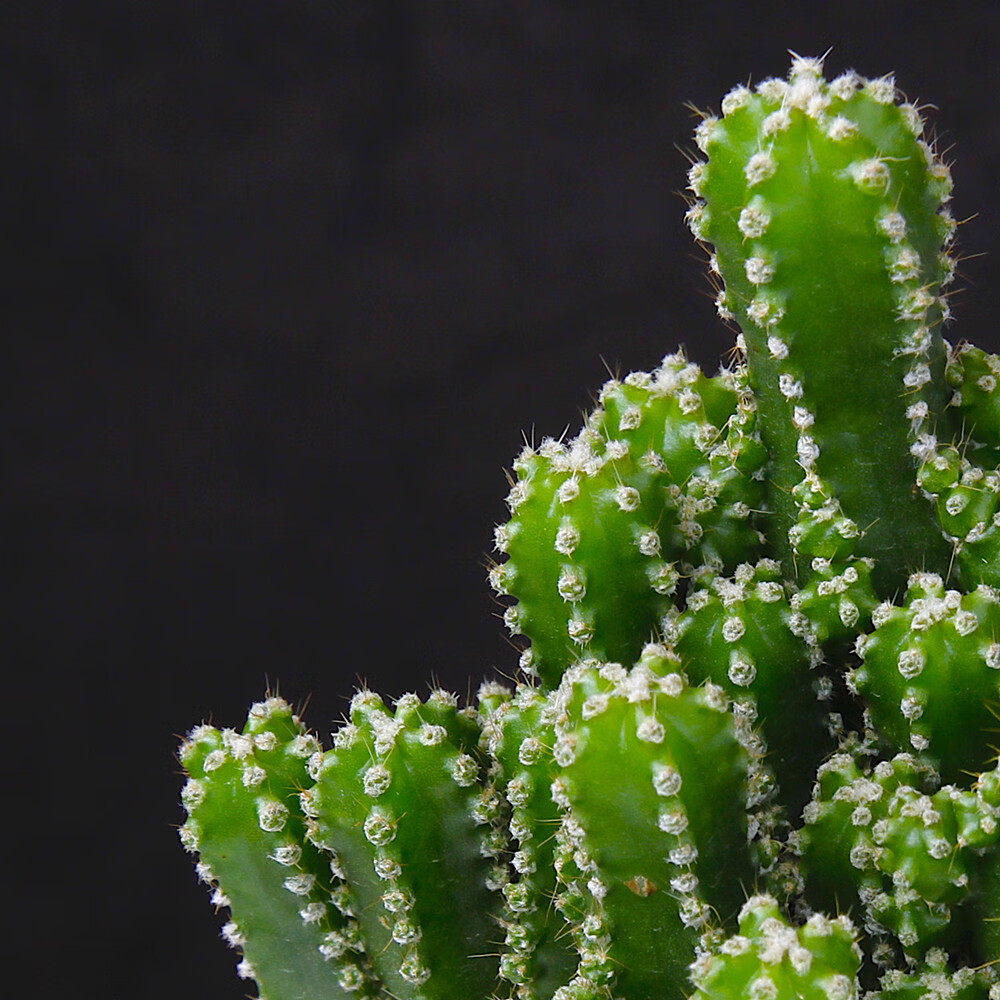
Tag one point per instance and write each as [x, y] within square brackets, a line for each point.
[751, 751]
[825, 210]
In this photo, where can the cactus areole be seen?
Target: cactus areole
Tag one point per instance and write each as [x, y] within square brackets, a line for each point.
[751, 752]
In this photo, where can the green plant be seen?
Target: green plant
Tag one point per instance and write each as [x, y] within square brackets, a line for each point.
[751, 753]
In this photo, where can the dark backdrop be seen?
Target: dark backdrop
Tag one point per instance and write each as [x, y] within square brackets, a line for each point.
[285, 284]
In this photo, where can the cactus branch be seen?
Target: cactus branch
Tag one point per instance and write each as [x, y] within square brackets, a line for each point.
[826, 210]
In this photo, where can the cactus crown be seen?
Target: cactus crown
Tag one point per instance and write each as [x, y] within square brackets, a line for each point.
[750, 755]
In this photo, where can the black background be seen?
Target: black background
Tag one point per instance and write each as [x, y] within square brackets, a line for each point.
[286, 283]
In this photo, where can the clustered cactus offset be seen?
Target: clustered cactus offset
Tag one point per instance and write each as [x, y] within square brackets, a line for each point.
[750, 754]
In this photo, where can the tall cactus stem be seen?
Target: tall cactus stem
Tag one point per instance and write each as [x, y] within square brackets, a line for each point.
[826, 210]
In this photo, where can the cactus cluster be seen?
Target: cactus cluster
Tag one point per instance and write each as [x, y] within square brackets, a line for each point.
[750, 753]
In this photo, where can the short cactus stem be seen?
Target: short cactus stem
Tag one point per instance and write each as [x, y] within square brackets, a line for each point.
[399, 802]
[604, 527]
[653, 784]
[935, 977]
[770, 957]
[911, 855]
[737, 632]
[974, 378]
[538, 955]
[931, 673]
[247, 826]
[841, 329]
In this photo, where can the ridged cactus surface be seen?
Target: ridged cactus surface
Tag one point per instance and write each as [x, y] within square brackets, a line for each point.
[750, 753]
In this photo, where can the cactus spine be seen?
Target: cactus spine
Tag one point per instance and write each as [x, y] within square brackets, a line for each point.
[750, 754]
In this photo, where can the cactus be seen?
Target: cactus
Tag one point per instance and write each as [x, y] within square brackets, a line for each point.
[749, 753]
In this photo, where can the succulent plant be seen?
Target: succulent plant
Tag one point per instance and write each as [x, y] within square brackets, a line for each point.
[750, 752]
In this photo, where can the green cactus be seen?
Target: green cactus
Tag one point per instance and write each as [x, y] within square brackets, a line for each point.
[750, 751]
[538, 953]
[825, 210]
[771, 958]
[247, 825]
[911, 857]
[641, 750]
[664, 465]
